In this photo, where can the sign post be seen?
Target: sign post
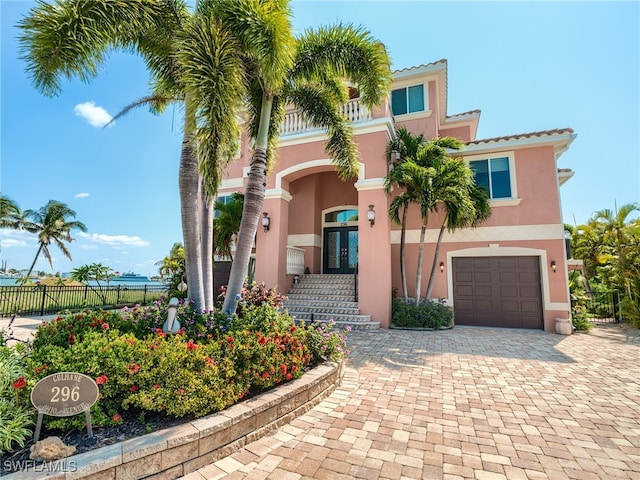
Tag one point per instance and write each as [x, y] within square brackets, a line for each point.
[64, 394]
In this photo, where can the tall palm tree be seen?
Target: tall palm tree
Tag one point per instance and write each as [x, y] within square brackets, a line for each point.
[309, 72]
[402, 148]
[466, 204]
[10, 214]
[52, 223]
[71, 38]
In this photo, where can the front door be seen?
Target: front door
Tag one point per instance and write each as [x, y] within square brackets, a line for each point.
[340, 250]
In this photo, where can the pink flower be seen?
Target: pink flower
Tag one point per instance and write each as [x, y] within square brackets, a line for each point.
[105, 326]
[156, 386]
[134, 368]
[117, 418]
[133, 388]
[102, 379]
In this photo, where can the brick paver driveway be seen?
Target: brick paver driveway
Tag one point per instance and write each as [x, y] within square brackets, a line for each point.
[470, 402]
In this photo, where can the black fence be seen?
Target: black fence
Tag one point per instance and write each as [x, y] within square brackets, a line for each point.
[47, 299]
[604, 307]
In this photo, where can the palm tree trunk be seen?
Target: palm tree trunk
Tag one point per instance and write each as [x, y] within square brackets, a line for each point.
[34, 261]
[252, 209]
[207, 251]
[189, 199]
[403, 247]
[423, 230]
[435, 260]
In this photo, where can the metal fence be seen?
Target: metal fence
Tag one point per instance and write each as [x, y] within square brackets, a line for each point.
[47, 299]
[604, 307]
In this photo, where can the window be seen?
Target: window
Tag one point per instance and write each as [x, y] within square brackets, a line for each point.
[341, 216]
[407, 100]
[224, 199]
[494, 175]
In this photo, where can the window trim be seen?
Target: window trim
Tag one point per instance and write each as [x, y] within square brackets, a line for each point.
[512, 176]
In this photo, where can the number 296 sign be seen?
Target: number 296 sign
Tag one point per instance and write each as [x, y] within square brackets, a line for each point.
[64, 394]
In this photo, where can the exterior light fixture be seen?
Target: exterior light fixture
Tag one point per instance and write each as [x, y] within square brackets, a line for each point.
[442, 266]
[266, 221]
[182, 287]
[554, 266]
[371, 215]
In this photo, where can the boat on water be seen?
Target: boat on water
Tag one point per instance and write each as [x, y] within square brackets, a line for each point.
[132, 277]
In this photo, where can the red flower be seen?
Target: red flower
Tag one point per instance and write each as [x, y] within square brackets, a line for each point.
[293, 328]
[230, 339]
[191, 345]
[72, 339]
[210, 361]
[283, 368]
[265, 375]
[102, 379]
[294, 368]
[288, 376]
[78, 317]
[133, 388]
[181, 391]
[117, 418]
[19, 383]
[133, 368]
[262, 341]
[105, 326]
[156, 386]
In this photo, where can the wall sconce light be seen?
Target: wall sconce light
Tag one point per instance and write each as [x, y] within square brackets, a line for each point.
[442, 266]
[266, 221]
[371, 215]
[554, 266]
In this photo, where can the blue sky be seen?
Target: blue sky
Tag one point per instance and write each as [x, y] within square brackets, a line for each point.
[528, 66]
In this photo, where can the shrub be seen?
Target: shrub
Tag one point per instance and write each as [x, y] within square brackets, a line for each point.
[580, 318]
[428, 314]
[15, 415]
[326, 343]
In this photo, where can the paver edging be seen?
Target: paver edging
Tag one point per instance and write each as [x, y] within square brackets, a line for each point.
[420, 329]
[180, 450]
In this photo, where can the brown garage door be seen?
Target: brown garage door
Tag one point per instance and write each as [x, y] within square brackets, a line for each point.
[497, 292]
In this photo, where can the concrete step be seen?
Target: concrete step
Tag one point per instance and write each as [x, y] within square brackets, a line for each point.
[342, 323]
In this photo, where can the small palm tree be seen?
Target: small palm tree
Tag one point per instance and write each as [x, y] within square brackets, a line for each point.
[52, 224]
[227, 224]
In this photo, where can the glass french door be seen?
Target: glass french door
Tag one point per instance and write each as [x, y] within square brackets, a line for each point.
[340, 253]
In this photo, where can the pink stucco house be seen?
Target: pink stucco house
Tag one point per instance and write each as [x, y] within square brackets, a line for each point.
[509, 272]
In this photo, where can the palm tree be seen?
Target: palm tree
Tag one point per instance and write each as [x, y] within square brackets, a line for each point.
[10, 214]
[466, 204]
[52, 224]
[309, 72]
[173, 266]
[402, 148]
[227, 224]
[71, 38]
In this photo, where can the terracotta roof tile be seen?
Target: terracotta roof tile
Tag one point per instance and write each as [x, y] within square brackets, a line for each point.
[543, 133]
[464, 113]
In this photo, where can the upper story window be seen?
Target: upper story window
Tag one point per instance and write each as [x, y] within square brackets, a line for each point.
[224, 199]
[407, 100]
[494, 174]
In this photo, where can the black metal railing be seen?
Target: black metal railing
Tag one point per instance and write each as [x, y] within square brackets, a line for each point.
[602, 307]
[50, 299]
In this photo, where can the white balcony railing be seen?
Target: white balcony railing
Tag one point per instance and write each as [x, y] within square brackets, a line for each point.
[353, 110]
[295, 260]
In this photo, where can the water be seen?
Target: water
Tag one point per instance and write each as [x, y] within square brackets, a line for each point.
[12, 282]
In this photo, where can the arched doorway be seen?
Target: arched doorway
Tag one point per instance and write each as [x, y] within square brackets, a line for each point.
[340, 240]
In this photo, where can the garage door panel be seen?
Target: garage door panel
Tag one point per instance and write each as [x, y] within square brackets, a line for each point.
[497, 291]
[482, 277]
[509, 291]
[508, 277]
[482, 291]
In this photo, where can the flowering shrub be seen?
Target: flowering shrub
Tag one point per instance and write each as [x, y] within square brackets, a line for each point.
[15, 417]
[326, 342]
[212, 362]
[256, 294]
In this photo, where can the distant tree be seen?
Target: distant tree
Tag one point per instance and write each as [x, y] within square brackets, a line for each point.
[172, 267]
[97, 273]
[52, 224]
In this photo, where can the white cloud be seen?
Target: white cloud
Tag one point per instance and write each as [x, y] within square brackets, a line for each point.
[81, 195]
[115, 240]
[96, 116]
[12, 242]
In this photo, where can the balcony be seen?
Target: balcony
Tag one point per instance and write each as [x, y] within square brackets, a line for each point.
[353, 110]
